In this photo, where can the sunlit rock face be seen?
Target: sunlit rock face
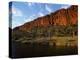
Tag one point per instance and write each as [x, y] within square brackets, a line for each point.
[62, 17]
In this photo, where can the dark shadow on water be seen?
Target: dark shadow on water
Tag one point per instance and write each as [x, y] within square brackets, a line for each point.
[20, 50]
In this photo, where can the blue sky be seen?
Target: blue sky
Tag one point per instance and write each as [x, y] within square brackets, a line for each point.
[27, 11]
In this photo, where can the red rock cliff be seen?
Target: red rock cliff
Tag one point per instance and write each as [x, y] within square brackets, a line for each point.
[60, 17]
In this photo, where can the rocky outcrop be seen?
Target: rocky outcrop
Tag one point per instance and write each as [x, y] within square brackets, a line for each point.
[62, 17]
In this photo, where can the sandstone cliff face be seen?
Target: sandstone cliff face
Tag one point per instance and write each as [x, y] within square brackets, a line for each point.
[60, 17]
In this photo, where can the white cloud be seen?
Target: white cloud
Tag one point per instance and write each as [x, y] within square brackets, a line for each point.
[40, 14]
[65, 6]
[29, 4]
[16, 12]
[16, 23]
[30, 18]
[27, 20]
[48, 8]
